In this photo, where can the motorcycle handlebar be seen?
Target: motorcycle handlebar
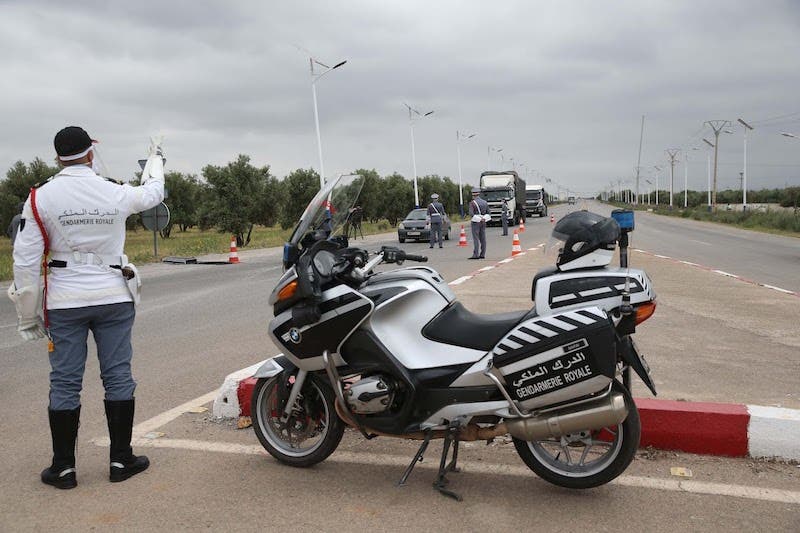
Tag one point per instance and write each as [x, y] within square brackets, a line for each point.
[396, 255]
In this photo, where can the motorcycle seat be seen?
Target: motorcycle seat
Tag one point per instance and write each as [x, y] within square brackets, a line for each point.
[459, 326]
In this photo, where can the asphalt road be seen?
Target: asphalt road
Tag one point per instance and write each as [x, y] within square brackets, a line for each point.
[197, 323]
[761, 257]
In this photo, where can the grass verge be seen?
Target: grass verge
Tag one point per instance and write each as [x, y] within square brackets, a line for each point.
[779, 222]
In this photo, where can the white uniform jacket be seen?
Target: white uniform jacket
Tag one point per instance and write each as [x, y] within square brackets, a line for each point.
[82, 212]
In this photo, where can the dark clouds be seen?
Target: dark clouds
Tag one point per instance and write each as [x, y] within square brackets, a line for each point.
[560, 86]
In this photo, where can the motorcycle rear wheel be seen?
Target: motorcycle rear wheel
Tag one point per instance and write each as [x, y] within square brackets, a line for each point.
[602, 454]
[311, 433]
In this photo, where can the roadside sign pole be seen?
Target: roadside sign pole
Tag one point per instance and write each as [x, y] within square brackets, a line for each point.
[156, 219]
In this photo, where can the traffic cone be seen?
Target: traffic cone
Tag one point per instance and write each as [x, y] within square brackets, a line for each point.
[462, 239]
[522, 225]
[516, 249]
[233, 257]
[552, 219]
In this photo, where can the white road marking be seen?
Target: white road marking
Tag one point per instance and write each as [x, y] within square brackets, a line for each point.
[691, 487]
[460, 280]
[773, 287]
[484, 269]
[690, 263]
[506, 260]
[701, 242]
[662, 256]
[159, 420]
[722, 272]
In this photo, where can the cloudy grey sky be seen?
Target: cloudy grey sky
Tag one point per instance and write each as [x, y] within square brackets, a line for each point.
[561, 86]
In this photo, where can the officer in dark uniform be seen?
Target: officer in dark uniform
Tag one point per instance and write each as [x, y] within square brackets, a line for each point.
[504, 217]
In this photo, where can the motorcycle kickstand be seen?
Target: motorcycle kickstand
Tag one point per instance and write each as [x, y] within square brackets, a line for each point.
[417, 458]
[452, 466]
[441, 481]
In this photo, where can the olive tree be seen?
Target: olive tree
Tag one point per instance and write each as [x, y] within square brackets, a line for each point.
[234, 199]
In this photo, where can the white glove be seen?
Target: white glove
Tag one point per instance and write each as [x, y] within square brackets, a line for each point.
[155, 146]
[154, 167]
[31, 329]
[133, 282]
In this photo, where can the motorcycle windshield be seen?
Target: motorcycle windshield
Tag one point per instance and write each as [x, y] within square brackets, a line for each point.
[330, 209]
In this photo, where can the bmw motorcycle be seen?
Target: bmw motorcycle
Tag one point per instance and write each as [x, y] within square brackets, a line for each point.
[392, 353]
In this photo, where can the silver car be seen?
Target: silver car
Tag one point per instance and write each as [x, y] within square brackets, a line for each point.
[417, 226]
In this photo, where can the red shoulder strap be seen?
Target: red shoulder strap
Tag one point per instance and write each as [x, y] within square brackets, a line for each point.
[39, 221]
[44, 254]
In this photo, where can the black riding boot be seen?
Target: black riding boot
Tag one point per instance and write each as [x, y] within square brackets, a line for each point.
[120, 426]
[64, 431]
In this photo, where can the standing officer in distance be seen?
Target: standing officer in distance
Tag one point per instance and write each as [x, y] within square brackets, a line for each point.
[478, 209]
[504, 217]
[80, 216]
[436, 215]
[13, 227]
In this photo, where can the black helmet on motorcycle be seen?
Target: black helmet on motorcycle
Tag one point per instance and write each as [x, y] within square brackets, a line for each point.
[583, 240]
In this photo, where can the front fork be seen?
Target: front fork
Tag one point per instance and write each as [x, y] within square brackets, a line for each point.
[299, 379]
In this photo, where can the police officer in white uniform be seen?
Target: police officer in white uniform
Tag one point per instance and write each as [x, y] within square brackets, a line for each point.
[90, 287]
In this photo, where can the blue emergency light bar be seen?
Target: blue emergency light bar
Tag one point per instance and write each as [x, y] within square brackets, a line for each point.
[624, 218]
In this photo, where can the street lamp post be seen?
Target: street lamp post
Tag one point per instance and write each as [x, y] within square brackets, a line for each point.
[314, 79]
[745, 127]
[686, 179]
[658, 171]
[459, 138]
[411, 113]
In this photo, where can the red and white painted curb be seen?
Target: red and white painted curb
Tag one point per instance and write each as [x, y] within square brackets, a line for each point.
[732, 430]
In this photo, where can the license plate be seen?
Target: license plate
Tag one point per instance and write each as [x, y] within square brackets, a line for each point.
[412, 233]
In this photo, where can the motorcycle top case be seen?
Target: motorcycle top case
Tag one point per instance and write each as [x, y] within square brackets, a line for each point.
[557, 358]
[555, 292]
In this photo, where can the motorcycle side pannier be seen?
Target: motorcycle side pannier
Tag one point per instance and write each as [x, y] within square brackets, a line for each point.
[553, 359]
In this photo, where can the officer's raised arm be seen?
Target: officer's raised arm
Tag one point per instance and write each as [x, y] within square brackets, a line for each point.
[151, 192]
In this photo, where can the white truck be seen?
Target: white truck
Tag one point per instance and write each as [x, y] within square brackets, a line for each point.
[496, 186]
[535, 200]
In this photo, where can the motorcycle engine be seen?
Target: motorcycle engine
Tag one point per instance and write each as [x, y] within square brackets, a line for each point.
[370, 395]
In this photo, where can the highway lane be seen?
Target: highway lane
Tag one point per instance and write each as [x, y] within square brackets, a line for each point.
[761, 257]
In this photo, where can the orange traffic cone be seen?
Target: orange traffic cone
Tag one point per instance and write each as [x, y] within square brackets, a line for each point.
[233, 257]
[462, 239]
[522, 225]
[516, 249]
[552, 219]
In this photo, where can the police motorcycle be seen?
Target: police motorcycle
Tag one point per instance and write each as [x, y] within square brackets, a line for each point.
[393, 353]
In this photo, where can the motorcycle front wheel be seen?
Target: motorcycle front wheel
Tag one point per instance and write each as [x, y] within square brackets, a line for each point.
[586, 459]
[309, 435]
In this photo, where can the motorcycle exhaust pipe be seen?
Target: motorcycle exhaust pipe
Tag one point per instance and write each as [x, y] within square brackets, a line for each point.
[606, 412]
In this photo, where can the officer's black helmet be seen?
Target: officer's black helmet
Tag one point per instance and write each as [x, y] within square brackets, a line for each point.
[584, 240]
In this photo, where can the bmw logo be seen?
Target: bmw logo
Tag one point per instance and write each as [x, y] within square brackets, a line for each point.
[294, 335]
